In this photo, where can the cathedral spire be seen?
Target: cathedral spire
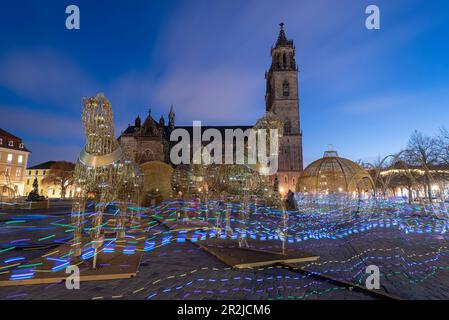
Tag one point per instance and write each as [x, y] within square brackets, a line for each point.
[137, 122]
[171, 118]
[282, 38]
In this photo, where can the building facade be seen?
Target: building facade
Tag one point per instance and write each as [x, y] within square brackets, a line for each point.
[282, 99]
[40, 172]
[150, 141]
[13, 162]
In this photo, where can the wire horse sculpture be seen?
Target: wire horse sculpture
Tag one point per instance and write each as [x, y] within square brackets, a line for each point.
[104, 174]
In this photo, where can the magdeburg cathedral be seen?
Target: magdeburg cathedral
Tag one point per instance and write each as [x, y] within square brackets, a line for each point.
[150, 140]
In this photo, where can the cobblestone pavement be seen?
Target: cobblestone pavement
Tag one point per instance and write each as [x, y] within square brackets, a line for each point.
[412, 266]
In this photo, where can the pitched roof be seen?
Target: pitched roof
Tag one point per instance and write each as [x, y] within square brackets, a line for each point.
[6, 137]
[44, 165]
[6, 134]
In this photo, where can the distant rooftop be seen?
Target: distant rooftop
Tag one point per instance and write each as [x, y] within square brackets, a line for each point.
[44, 165]
[10, 141]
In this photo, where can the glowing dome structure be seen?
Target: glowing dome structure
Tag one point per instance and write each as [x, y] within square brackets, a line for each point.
[332, 174]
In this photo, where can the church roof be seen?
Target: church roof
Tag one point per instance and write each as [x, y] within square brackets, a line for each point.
[149, 128]
[130, 130]
[219, 128]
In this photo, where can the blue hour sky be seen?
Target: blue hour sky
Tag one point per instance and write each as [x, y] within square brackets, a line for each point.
[363, 91]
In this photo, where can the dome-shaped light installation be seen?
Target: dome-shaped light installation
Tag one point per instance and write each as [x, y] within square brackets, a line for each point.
[333, 174]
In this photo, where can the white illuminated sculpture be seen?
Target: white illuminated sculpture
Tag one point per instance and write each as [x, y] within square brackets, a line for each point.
[103, 175]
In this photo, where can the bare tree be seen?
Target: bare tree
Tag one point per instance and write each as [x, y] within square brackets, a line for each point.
[422, 151]
[443, 145]
[60, 174]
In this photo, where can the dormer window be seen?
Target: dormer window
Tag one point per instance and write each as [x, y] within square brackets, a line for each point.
[285, 89]
[21, 146]
[11, 143]
[1, 141]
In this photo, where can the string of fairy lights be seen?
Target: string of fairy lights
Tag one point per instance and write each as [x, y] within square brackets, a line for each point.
[306, 227]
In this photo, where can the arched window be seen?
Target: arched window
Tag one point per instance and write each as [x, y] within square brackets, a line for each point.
[284, 60]
[286, 88]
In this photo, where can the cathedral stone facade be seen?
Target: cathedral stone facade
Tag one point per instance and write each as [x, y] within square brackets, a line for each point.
[150, 140]
[282, 99]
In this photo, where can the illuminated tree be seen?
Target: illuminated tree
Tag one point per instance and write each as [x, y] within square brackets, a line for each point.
[61, 175]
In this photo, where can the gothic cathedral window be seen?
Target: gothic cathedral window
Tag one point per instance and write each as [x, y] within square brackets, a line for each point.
[286, 88]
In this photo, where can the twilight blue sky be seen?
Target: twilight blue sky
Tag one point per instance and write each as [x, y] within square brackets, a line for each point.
[362, 91]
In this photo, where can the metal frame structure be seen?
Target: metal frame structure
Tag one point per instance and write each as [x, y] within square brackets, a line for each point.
[333, 174]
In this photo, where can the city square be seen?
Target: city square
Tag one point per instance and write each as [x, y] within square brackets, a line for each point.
[411, 251]
[299, 182]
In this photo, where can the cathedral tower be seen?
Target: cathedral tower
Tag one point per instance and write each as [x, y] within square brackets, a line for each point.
[282, 99]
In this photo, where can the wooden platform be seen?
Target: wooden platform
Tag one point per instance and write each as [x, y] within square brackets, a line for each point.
[259, 253]
[110, 266]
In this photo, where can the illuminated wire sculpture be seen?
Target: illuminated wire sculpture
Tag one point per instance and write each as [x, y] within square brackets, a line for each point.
[335, 175]
[7, 188]
[104, 174]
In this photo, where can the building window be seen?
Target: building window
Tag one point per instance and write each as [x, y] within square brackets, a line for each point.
[21, 146]
[44, 172]
[286, 89]
[1, 140]
[37, 172]
[28, 182]
[11, 143]
[20, 159]
[286, 179]
[7, 171]
[9, 158]
[54, 191]
[29, 173]
[287, 127]
[18, 172]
